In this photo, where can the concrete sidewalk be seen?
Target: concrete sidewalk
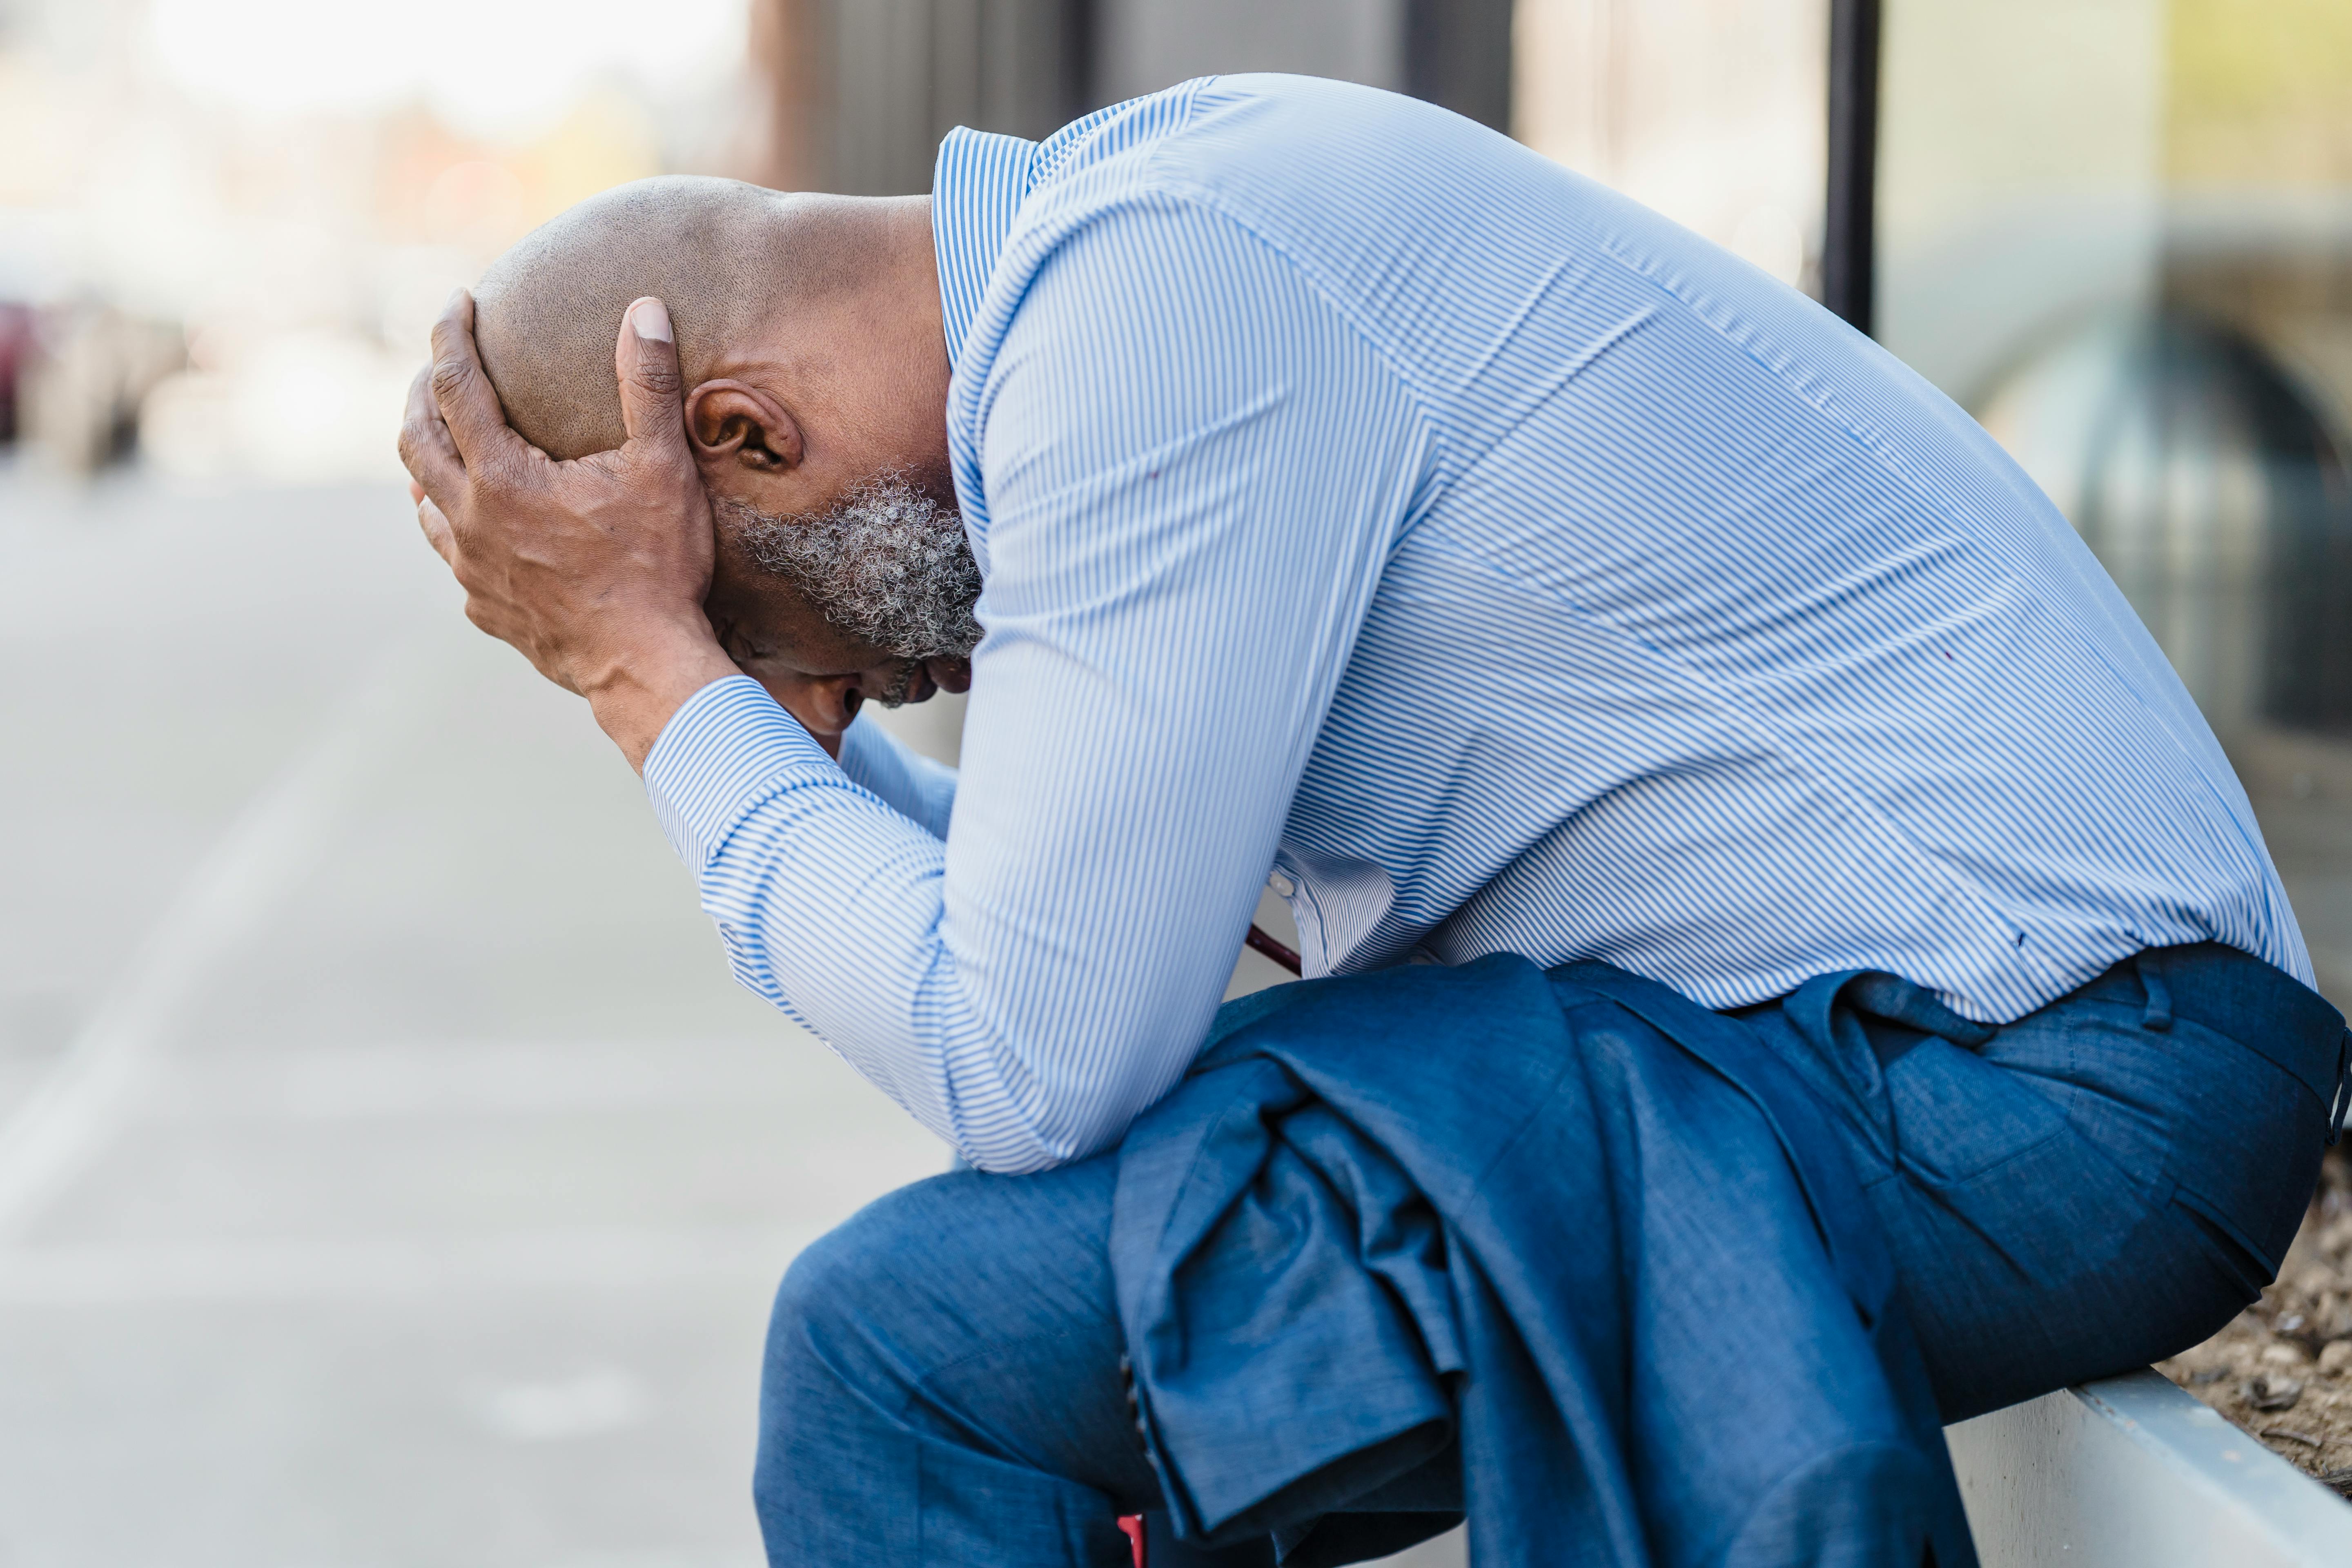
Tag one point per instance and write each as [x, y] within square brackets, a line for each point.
[422, 1178]
[389, 1174]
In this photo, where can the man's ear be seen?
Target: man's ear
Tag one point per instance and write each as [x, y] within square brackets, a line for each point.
[733, 421]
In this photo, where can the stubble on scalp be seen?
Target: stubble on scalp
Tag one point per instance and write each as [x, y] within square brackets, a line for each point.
[725, 258]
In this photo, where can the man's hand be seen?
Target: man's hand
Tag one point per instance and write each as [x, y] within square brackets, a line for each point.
[595, 569]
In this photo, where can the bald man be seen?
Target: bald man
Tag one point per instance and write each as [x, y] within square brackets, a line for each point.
[1320, 492]
[868, 591]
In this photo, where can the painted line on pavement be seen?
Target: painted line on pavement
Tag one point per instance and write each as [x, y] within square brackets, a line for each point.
[599, 1259]
[58, 1128]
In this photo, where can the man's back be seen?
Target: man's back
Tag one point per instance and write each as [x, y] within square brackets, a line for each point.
[1364, 500]
[1707, 640]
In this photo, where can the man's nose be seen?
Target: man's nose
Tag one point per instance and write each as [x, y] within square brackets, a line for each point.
[837, 700]
[824, 707]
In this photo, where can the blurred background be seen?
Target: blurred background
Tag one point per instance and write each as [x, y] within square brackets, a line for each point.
[388, 1173]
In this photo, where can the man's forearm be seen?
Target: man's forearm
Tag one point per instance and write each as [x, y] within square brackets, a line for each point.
[829, 900]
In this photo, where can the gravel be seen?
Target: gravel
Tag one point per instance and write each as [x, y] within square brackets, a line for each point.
[2283, 1368]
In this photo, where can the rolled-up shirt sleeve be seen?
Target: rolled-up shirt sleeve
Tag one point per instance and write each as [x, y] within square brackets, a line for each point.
[1193, 470]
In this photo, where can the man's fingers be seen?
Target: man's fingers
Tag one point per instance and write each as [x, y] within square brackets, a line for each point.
[425, 450]
[438, 532]
[645, 358]
[462, 391]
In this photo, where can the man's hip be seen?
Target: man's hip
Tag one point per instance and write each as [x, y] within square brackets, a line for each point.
[2096, 1185]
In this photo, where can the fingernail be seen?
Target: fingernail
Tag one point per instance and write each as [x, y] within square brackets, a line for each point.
[651, 318]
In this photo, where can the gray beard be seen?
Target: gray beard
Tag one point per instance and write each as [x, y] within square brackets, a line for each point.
[887, 564]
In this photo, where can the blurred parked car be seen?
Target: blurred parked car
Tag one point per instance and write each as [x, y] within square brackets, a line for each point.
[16, 353]
[80, 389]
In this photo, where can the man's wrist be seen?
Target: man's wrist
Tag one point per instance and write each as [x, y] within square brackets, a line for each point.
[728, 749]
[634, 694]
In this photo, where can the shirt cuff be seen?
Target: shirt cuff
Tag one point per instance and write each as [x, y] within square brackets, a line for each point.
[727, 749]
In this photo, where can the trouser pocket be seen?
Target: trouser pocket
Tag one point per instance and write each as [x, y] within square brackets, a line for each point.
[1957, 1117]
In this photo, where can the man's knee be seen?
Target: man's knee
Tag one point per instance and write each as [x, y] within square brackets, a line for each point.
[844, 1296]
[957, 1272]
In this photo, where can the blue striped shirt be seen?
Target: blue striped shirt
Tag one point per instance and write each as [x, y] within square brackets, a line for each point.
[1369, 505]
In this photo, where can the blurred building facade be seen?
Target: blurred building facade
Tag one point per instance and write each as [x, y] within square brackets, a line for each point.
[2120, 233]
[1709, 110]
[226, 225]
[856, 93]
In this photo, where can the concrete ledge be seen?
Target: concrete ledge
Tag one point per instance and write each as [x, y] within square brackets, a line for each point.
[2131, 1472]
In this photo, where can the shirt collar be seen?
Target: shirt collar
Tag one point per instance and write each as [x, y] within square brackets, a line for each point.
[976, 189]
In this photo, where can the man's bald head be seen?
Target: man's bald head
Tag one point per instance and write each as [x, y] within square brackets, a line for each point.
[815, 376]
[723, 256]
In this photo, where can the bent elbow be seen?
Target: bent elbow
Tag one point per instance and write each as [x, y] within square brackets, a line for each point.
[1061, 1134]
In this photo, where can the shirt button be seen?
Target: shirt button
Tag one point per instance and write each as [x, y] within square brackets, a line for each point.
[1283, 886]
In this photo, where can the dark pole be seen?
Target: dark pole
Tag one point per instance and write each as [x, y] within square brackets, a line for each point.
[1457, 54]
[1850, 220]
[1079, 37]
